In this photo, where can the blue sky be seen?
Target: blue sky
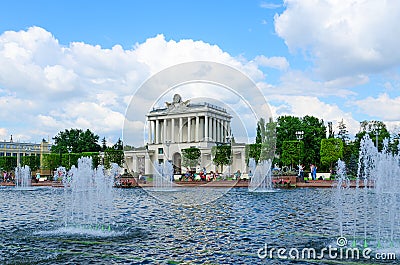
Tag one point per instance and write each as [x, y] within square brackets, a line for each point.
[331, 59]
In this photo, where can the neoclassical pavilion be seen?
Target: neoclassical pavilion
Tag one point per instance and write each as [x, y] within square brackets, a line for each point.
[179, 125]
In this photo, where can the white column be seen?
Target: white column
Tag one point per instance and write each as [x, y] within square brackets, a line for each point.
[188, 122]
[180, 130]
[173, 130]
[228, 128]
[164, 131]
[218, 130]
[206, 128]
[149, 132]
[225, 130]
[196, 133]
[157, 141]
[214, 129]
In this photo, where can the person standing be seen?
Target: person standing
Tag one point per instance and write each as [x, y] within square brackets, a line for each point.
[301, 172]
[314, 172]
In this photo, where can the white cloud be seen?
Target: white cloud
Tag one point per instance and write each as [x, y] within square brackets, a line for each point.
[294, 83]
[269, 5]
[301, 106]
[383, 107]
[343, 38]
[279, 63]
[49, 87]
[3, 134]
[80, 85]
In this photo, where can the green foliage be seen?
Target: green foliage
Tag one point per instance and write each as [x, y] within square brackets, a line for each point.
[331, 151]
[253, 151]
[266, 137]
[33, 161]
[8, 163]
[112, 155]
[258, 136]
[372, 128]
[292, 152]
[350, 157]
[191, 157]
[103, 144]
[221, 155]
[343, 133]
[119, 145]
[314, 131]
[80, 141]
[52, 161]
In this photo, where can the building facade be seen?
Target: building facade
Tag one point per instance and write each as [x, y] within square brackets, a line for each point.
[18, 149]
[182, 125]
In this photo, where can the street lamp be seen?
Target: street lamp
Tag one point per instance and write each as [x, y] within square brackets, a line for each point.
[299, 136]
[69, 149]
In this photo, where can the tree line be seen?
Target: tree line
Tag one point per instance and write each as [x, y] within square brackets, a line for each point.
[69, 146]
[307, 140]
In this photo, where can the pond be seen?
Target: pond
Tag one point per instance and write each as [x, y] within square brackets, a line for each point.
[232, 229]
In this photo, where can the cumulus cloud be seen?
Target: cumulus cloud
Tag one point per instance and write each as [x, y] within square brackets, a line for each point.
[301, 106]
[50, 87]
[269, 5]
[382, 107]
[279, 63]
[343, 37]
[295, 82]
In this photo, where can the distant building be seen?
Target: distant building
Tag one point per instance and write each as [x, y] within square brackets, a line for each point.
[182, 125]
[18, 149]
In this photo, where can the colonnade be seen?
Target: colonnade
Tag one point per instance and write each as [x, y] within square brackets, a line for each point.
[188, 129]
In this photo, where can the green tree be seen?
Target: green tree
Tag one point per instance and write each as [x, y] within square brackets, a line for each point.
[331, 151]
[343, 133]
[260, 124]
[32, 161]
[103, 144]
[80, 141]
[119, 145]
[222, 155]
[51, 161]
[191, 157]
[314, 131]
[286, 130]
[8, 163]
[253, 151]
[373, 129]
[112, 155]
[292, 152]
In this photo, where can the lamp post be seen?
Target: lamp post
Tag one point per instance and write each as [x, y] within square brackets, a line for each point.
[168, 143]
[69, 149]
[299, 136]
[229, 140]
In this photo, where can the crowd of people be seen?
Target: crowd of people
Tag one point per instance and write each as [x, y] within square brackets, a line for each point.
[203, 175]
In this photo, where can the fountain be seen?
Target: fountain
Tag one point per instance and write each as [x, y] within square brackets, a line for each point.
[262, 177]
[252, 167]
[376, 193]
[162, 180]
[23, 178]
[88, 196]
